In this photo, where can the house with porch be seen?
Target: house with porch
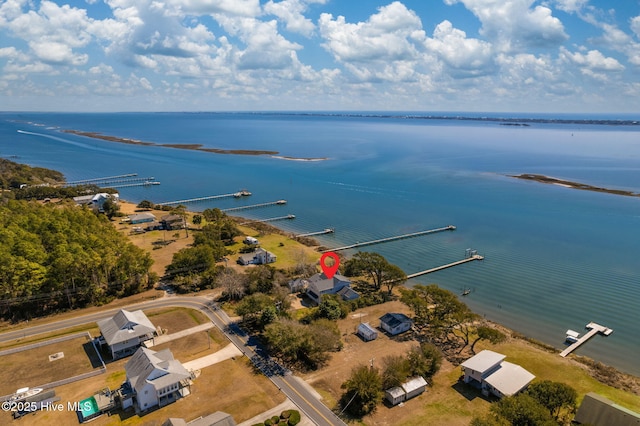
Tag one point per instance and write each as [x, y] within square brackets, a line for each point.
[155, 379]
[319, 285]
[493, 375]
[125, 332]
[258, 257]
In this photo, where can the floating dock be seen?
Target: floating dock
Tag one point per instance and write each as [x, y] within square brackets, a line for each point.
[107, 178]
[310, 234]
[207, 198]
[270, 219]
[398, 237]
[593, 330]
[256, 206]
[448, 265]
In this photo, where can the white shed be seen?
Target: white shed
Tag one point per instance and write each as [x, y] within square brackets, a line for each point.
[250, 240]
[414, 386]
[367, 332]
[395, 395]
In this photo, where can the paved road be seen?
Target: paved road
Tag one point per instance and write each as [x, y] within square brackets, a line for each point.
[305, 400]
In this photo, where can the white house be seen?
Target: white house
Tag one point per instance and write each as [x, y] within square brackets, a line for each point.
[319, 285]
[367, 332]
[395, 323]
[156, 378]
[125, 332]
[96, 201]
[492, 374]
[144, 217]
[258, 257]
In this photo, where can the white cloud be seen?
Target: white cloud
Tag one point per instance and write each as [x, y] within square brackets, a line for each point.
[571, 6]
[594, 60]
[514, 25]
[249, 8]
[291, 12]
[466, 57]
[635, 26]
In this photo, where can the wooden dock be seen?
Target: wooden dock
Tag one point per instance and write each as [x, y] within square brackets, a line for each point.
[398, 237]
[448, 265]
[593, 330]
[207, 198]
[129, 185]
[269, 219]
[310, 234]
[256, 206]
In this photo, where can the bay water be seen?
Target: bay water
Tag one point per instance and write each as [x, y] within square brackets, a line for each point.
[555, 258]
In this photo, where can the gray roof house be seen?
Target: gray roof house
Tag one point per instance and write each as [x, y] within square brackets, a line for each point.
[492, 374]
[319, 284]
[395, 323]
[258, 257]
[156, 378]
[218, 418]
[125, 332]
[144, 217]
[596, 410]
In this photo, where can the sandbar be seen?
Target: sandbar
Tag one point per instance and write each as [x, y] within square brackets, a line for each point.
[574, 185]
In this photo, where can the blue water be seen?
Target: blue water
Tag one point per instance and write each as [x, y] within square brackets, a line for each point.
[555, 258]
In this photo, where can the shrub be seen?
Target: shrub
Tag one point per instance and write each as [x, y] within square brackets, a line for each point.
[285, 414]
[294, 419]
[268, 422]
[275, 420]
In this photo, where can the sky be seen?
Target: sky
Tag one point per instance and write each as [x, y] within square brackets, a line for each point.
[563, 56]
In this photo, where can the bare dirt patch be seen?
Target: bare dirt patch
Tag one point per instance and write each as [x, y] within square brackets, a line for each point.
[172, 320]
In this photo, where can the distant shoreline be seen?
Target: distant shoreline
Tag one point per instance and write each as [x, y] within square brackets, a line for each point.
[192, 147]
[574, 185]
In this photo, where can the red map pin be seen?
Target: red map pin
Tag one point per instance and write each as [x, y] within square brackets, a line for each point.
[329, 270]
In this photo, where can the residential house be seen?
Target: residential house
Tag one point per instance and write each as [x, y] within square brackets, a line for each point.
[395, 323]
[96, 201]
[319, 285]
[493, 375]
[125, 331]
[258, 257]
[218, 418]
[367, 332]
[172, 221]
[251, 240]
[141, 218]
[156, 379]
[596, 410]
[298, 285]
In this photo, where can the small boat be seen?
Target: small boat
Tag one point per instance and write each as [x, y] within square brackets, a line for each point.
[281, 202]
[24, 393]
[466, 291]
[572, 336]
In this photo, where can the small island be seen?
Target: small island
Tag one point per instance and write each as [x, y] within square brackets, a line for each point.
[574, 185]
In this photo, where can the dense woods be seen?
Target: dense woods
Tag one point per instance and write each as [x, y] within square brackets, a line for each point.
[12, 175]
[55, 257]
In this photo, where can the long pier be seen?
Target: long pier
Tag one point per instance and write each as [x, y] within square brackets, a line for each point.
[269, 219]
[119, 181]
[397, 237]
[594, 329]
[107, 178]
[448, 265]
[255, 206]
[129, 185]
[310, 234]
[208, 197]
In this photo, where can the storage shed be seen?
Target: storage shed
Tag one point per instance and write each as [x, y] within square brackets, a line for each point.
[414, 386]
[367, 332]
[395, 395]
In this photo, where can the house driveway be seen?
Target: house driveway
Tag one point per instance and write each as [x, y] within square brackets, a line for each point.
[225, 353]
[158, 340]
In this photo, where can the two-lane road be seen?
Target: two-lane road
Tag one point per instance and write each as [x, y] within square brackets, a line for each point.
[284, 381]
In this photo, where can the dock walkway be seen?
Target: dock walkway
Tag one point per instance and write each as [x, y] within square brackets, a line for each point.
[255, 206]
[594, 329]
[398, 237]
[448, 265]
[206, 198]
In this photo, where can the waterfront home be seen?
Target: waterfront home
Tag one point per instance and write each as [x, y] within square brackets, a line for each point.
[319, 285]
[596, 410]
[155, 379]
[96, 201]
[125, 332]
[141, 218]
[395, 323]
[258, 257]
[172, 221]
[493, 375]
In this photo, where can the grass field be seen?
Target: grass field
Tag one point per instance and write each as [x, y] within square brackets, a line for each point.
[32, 368]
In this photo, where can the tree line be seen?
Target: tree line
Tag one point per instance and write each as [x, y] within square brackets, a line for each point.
[56, 257]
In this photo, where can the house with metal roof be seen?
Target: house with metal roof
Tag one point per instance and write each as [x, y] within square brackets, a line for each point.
[367, 332]
[218, 418]
[319, 285]
[156, 379]
[410, 389]
[258, 257]
[144, 217]
[125, 331]
[493, 375]
[395, 323]
[596, 410]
